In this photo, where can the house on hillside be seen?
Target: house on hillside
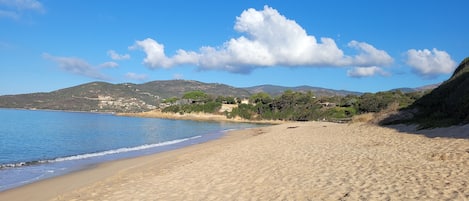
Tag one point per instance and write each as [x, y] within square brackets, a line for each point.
[244, 101]
[328, 104]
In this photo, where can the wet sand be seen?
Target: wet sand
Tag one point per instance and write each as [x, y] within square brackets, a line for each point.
[291, 161]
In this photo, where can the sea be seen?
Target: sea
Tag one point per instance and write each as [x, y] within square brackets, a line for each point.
[39, 144]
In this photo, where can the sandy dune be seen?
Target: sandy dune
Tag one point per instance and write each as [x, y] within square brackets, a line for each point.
[293, 161]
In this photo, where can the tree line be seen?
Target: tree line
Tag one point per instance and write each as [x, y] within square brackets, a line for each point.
[294, 106]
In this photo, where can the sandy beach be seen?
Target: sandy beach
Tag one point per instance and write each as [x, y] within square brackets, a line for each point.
[195, 117]
[291, 161]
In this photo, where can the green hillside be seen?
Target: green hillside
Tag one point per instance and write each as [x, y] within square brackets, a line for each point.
[106, 97]
[446, 105]
[177, 88]
[275, 91]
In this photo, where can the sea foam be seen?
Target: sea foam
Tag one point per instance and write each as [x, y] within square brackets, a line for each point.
[98, 154]
[122, 150]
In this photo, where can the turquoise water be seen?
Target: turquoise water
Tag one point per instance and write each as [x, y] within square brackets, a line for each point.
[40, 144]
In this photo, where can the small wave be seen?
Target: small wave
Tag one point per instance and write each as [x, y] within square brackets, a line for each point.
[122, 150]
[20, 164]
[97, 154]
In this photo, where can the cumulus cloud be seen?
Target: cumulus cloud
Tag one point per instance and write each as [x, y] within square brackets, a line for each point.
[14, 8]
[76, 66]
[155, 56]
[369, 55]
[359, 72]
[268, 39]
[429, 63]
[115, 56]
[135, 76]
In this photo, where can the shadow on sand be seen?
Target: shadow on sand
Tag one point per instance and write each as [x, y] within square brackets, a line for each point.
[457, 132]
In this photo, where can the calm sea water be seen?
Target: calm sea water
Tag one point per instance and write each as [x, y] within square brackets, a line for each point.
[35, 145]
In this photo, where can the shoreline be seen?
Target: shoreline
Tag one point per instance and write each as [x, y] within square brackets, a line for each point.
[291, 161]
[20, 173]
[162, 115]
[53, 110]
[42, 189]
[62, 166]
[197, 117]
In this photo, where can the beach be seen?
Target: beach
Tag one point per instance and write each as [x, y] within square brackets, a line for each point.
[290, 161]
[200, 116]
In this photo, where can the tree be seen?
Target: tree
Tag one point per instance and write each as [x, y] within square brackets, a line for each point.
[226, 100]
[195, 95]
[261, 98]
[171, 100]
[244, 111]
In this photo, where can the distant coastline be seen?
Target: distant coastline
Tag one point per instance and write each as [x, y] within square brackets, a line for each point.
[165, 115]
[53, 110]
[196, 117]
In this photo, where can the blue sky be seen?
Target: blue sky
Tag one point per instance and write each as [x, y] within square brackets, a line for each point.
[365, 46]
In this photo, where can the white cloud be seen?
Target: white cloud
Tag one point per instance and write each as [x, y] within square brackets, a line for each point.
[115, 56]
[430, 63]
[135, 76]
[154, 51]
[369, 55]
[76, 66]
[269, 39]
[14, 8]
[109, 64]
[359, 72]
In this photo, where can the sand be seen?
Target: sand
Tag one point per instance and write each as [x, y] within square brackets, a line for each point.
[292, 161]
[198, 116]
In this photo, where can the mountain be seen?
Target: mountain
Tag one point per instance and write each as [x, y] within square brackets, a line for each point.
[106, 97]
[177, 88]
[427, 87]
[128, 97]
[274, 90]
[95, 96]
[446, 105]
[422, 88]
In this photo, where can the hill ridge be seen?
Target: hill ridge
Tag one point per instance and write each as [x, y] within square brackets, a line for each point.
[446, 105]
[102, 96]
